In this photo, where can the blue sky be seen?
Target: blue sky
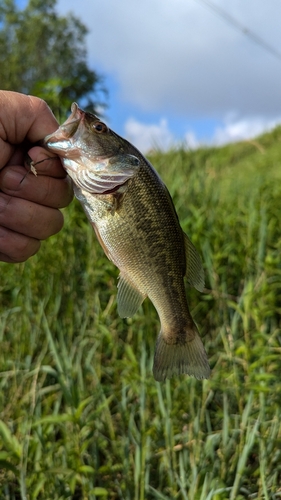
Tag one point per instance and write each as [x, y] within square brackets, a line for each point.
[178, 73]
[121, 112]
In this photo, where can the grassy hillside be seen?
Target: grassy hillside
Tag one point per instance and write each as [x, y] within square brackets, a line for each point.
[81, 416]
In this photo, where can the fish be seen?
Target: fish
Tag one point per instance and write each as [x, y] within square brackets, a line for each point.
[136, 223]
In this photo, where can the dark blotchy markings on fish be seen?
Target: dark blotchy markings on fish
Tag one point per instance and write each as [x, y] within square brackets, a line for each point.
[135, 221]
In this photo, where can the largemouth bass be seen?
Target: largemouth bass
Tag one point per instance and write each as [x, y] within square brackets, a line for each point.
[137, 226]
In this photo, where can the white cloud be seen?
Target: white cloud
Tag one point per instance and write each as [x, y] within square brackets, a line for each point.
[177, 56]
[176, 59]
[149, 136]
[191, 141]
[239, 130]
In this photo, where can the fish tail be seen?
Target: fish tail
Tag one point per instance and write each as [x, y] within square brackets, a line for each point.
[187, 356]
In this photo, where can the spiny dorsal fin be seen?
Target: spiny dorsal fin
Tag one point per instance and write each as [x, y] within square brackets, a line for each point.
[129, 298]
[194, 270]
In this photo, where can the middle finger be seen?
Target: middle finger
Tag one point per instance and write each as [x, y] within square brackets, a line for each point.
[44, 190]
[28, 218]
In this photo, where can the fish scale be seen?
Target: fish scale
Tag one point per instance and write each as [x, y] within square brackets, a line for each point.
[136, 223]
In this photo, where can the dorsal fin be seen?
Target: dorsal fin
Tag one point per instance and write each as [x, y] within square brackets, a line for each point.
[194, 270]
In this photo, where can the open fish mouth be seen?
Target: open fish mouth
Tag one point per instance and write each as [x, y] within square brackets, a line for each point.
[72, 123]
[66, 140]
[60, 140]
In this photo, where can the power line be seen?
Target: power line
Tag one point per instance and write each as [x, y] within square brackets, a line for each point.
[247, 32]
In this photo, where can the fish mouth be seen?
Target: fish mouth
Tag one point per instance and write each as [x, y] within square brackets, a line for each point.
[60, 141]
[69, 127]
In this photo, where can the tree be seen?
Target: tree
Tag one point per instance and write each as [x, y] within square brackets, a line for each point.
[44, 54]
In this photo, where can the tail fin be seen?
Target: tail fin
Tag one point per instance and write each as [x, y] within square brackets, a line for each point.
[175, 359]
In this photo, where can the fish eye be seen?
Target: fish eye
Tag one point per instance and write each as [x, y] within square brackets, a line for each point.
[100, 127]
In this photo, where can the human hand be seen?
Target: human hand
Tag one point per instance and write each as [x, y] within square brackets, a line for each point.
[28, 204]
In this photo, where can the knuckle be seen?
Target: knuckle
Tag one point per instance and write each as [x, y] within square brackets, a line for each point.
[38, 104]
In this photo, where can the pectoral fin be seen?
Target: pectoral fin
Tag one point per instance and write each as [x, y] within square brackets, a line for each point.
[194, 270]
[129, 298]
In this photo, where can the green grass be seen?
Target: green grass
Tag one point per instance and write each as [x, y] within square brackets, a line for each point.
[81, 416]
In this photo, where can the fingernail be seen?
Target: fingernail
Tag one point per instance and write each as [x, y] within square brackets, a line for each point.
[11, 179]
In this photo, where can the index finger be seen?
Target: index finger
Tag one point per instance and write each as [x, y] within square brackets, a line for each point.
[24, 117]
